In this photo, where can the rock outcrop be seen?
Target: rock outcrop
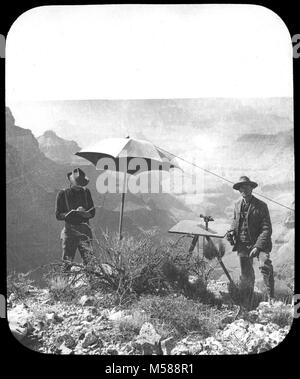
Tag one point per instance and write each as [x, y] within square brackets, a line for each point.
[58, 149]
[86, 327]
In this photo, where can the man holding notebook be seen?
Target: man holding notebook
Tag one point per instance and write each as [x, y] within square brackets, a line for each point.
[75, 206]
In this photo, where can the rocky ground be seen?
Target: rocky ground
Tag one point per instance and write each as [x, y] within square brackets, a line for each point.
[85, 327]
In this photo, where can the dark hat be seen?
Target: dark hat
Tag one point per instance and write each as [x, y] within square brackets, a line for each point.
[78, 176]
[244, 180]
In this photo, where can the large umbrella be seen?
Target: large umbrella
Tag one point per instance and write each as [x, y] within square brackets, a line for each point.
[130, 156]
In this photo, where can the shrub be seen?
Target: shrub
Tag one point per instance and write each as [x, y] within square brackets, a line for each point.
[282, 316]
[131, 324]
[60, 288]
[19, 285]
[234, 290]
[146, 266]
[180, 314]
[129, 267]
[133, 267]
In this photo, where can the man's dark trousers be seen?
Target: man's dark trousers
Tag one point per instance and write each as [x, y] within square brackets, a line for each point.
[247, 271]
[75, 237]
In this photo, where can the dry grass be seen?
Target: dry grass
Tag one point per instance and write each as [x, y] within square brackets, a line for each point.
[60, 288]
[180, 315]
[281, 316]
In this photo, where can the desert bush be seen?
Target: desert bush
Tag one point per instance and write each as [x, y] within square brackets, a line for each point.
[146, 266]
[285, 273]
[131, 324]
[130, 267]
[18, 284]
[60, 288]
[66, 281]
[182, 315]
[234, 290]
[107, 300]
[180, 266]
[281, 316]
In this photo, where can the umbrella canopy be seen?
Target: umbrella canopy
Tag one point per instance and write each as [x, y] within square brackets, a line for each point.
[128, 155]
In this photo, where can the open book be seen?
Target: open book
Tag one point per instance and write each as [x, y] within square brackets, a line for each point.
[75, 217]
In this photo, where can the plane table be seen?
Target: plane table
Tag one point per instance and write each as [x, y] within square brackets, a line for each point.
[195, 229]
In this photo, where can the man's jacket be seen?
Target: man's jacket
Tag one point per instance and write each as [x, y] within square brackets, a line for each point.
[259, 224]
[72, 198]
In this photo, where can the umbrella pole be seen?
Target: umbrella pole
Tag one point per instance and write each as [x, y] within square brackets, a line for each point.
[122, 207]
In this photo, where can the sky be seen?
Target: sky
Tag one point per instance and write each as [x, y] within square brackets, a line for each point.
[147, 52]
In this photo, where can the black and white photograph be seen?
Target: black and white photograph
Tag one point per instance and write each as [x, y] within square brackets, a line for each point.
[150, 180]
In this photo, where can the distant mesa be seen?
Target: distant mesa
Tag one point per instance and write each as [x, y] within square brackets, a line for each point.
[278, 138]
[59, 149]
[50, 134]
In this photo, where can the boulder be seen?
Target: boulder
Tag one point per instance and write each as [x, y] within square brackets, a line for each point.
[148, 340]
[112, 351]
[11, 299]
[116, 315]
[265, 338]
[18, 320]
[65, 350]
[211, 346]
[91, 339]
[180, 350]
[252, 316]
[67, 340]
[190, 345]
[238, 329]
[53, 317]
[19, 332]
[49, 317]
[228, 319]
[242, 337]
[258, 345]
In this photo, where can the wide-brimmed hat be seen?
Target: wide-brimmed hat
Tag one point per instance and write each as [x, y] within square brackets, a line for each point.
[244, 180]
[78, 177]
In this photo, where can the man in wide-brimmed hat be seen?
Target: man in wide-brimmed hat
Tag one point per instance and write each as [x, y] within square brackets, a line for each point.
[250, 235]
[74, 205]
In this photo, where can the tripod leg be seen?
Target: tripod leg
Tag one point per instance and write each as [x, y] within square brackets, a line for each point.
[193, 244]
[225, 270]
